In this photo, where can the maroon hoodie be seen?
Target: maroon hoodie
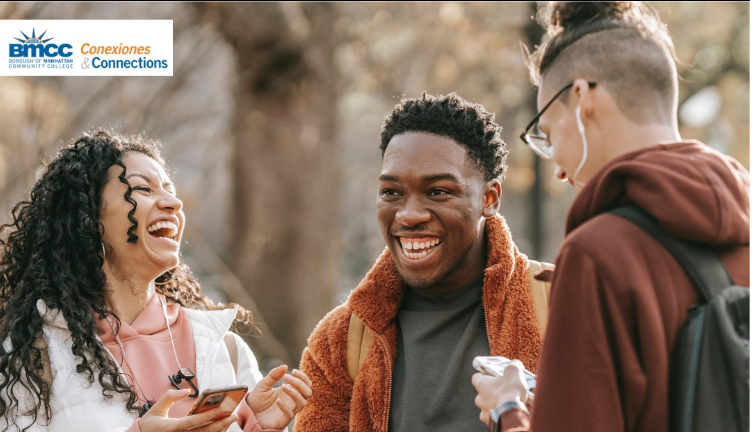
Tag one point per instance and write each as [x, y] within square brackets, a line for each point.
[619, 298]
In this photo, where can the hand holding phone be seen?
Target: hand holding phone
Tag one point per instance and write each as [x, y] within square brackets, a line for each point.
[500, 389]
[495, 366]
[157, 419]
[225, 398]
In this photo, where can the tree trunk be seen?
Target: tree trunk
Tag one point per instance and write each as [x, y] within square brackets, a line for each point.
[533, 33]
[284, 202]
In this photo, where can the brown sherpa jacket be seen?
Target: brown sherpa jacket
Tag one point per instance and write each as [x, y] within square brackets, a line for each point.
[338, 404]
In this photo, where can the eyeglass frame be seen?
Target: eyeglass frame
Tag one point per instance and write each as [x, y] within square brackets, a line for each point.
[524, 135]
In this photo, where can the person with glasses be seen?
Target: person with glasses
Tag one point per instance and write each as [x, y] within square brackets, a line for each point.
[607, 99]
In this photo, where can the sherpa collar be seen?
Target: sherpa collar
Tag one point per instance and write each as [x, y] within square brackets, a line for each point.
[377, 299]
[511, 322]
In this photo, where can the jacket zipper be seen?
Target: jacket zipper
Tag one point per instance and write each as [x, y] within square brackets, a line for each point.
[485, 315]
[692, 371]
[385, 347]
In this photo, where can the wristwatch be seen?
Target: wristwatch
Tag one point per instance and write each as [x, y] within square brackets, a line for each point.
[495, 425]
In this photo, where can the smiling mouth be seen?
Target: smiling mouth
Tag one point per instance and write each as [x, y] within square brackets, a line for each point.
[415, 248]
[163, 230]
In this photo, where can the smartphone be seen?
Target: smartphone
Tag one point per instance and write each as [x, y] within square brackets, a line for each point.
[226, 398]
[495, 365]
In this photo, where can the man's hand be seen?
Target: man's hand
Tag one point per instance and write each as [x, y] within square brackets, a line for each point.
[156, 419]
[274, 408]
[493, 391]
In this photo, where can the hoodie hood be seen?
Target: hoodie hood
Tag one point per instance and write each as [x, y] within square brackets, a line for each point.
[694, 192]
[150, 322]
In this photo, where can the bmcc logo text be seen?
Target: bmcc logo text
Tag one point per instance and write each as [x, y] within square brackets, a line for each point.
[38, 47]
[39, 50]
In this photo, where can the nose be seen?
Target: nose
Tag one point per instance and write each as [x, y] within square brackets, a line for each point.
[170, 202]
[412, 213]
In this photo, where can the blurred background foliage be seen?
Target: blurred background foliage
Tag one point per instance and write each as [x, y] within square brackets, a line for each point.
[270, 128]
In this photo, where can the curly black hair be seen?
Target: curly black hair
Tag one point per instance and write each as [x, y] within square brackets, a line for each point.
[451, 116]
[53, 251]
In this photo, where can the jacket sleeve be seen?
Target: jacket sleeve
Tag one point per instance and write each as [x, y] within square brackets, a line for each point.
[579, 373]
[26, 404]
[19, 423]
[325, 363]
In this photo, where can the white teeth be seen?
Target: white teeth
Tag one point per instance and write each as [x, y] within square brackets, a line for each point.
[170, 226]
[415, 246]
[161, 225]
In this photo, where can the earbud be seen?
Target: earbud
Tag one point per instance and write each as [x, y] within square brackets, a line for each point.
[580, 126]
[187, 375]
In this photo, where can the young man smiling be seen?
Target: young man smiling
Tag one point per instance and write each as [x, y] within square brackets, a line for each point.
[450, 286]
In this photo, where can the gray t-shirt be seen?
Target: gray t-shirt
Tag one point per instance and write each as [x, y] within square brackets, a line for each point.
[437, 338]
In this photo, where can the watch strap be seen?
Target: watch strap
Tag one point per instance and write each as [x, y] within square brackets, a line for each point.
[496, 413]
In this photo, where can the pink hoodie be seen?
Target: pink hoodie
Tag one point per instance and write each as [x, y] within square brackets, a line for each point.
[150, 359]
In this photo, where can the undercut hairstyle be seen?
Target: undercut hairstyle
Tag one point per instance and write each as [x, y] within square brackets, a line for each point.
[622, 46]
[52, 251]
[451, 116]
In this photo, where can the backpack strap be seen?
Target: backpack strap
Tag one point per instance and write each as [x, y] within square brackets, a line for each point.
[359, 338]
[701, 263]
[540, 291]
[232, 348]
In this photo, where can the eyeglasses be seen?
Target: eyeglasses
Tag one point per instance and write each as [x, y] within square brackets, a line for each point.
[537, 140]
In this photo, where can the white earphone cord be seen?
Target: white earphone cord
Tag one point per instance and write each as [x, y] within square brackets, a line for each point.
[581, 129]
[125, 356]
[172, 341]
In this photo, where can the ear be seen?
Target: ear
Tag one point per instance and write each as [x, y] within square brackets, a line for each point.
[585, 96]
[491, 197]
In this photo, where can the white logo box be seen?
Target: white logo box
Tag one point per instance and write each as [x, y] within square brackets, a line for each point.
[86, 48]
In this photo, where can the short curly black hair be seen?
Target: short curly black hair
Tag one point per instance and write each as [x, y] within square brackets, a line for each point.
[451, 116]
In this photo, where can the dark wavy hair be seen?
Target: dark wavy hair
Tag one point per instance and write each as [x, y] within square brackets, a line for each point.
[52, 250]
[467, 123]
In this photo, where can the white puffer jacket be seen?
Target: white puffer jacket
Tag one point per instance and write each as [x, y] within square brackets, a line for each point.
[78, 406]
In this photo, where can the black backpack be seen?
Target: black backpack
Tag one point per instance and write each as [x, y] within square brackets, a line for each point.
[709, 387]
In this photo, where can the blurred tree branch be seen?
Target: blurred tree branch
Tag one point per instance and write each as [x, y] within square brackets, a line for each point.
[730, 62]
